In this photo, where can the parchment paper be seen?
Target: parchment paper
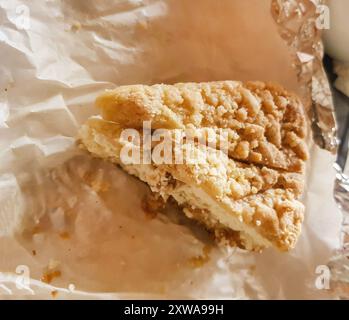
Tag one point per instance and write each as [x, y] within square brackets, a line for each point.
[62, 211]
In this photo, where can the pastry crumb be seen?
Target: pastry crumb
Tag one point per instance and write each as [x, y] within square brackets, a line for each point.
[76, 26]
[49, 276]
[151, 205]
[200, 260]
[64, 235]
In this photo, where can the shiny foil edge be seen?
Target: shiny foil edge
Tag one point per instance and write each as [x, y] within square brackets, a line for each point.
[339, 264]
[297, 25]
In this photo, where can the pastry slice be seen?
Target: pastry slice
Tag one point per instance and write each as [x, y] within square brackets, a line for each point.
[251, 206]
[269, 122]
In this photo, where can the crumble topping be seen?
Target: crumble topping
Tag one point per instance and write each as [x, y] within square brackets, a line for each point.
[248, 196]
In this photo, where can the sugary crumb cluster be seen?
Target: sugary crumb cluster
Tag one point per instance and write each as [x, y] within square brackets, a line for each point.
[269, 123]
[248, 196]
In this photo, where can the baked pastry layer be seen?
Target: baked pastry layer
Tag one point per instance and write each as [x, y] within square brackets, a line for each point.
[260, 204]
[267, 123]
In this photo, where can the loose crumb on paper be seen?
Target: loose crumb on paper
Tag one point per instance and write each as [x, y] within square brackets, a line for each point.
[76, 26]
[151, 205]
[199, 260]
[37, 229]
[64, 235]
[96, 182]
[142, 25]
[49, 276]
[51, 272]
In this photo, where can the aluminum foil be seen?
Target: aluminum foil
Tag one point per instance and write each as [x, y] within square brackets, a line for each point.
[300, 25]
[340, 263]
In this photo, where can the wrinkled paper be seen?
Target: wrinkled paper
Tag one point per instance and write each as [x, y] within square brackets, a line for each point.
[78, 222]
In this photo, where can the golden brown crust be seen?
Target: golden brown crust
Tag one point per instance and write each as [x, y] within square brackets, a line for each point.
[269, 122]
[210, 168]
[261, 198]
[275, 214]
[247, 196]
